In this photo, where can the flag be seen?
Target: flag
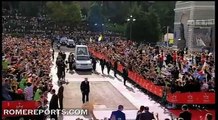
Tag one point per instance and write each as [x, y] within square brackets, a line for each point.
[200, 42]
[90, 39]
[100, 38]
[171, 41]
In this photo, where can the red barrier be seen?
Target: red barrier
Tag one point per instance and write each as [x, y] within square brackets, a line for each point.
[192, 98]
[18, 105]
[177, 98]
[196, 114]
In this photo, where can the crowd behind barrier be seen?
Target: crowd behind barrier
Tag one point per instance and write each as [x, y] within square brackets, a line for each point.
[27, 61]
[26, 71]
[176, 88]
[15, 23]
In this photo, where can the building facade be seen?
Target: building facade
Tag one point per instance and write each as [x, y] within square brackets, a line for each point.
[198, 19]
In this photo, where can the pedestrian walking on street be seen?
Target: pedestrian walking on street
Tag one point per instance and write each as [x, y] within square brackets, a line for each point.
[94, 63]
[118, 115]
[70, 61]
[125, 75]
[115, 68]
[53, 105]
[108, 65]
[102, 63]
[61, 95]
[85, 89]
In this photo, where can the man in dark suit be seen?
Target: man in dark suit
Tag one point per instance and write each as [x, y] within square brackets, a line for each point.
[125, 75]
[53, 105]
[60, 95]
[186, 115]
[115, 68]
[118, 115]
[94, 63]
[146, 115]
[40, 116]
[102, 63]
[108, 65]
[85, 89]
[70, 61]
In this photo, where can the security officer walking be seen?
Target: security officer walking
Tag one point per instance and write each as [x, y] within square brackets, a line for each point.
[85, 89]
[94, 64]
[125, 75]
[108, 65]
[102, 63]
[115, 68]
[61, 95]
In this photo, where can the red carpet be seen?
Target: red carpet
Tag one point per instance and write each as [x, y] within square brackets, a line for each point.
[196, 114]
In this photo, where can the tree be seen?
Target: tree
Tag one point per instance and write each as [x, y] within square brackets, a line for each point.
[64, 14]
[116, 11]
[146, 28]
[95, 17]
[165, 11]
[30, 8]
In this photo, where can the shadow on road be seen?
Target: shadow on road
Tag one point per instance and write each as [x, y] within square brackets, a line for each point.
[111, 77]
[84, 72]
[119, 79]
[130, 89]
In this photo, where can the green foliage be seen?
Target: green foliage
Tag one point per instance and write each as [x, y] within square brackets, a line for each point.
[64, 14]
[117, 28]
[29, 8]
[95, 15]
[146, 28]
[117, 11]
[165, 11]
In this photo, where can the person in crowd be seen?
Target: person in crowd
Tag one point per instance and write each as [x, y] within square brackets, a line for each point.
[53, 54]
[118, 115]
[6, 90]
[208, 116]
[146, 115]
[141, 110]
[61, 95]
[186, 115]
[85, 89]
[38, 93]
[53, 105]
[20, 95]
[41, 115]
[28, 91]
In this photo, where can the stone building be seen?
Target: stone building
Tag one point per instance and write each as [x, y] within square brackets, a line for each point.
[198, 19]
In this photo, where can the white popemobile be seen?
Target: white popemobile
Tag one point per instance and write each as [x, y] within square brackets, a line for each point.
[82, 58]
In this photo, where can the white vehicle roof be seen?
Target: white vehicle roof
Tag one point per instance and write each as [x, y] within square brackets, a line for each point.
[64, 38]
[70, 39]
[81, 46]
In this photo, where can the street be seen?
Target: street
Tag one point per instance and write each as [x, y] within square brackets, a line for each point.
[106, 93]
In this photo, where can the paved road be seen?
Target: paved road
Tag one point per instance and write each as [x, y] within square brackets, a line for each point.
[106, 94]
[63, 48]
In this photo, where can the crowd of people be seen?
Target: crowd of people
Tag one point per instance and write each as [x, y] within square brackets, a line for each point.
[175, 69]
[15, 23]
[26, 69]
[27, 61]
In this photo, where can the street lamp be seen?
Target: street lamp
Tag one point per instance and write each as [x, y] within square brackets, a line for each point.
[131, 20]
